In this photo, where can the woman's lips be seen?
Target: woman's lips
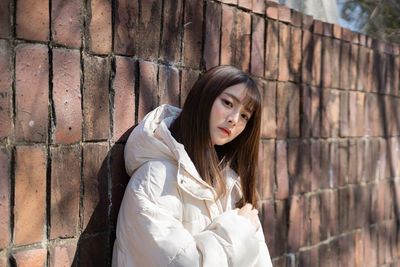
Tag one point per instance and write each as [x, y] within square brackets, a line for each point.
[225, 130]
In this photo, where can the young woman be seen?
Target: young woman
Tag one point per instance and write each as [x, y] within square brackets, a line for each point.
[192, 195]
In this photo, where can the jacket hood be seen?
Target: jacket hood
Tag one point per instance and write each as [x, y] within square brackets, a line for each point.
[152, 140]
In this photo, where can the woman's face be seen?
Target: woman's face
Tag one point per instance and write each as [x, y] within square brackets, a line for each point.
[229, 115]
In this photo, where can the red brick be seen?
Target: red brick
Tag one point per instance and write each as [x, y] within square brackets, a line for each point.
[327, 62]
[369, 74]
[268, 220]
[307, 62]
[309, 257]
[295, 55]
[267, 174]
[30, 258]
[335, 64]
[356, 113]
[282, 173]
[360, 163]
[124, 98]
[344, 126]
[193, 33]
[298, 223]
[4, 198]
[288, 107]
[94, 177]
[362, 39]
[258, 6]
[329, 253]
[30, 194]
[282, 261]
[377, 201]
[93, 251]
[281, 228]
[328, 30]
[212, 34]
[353, 66]
[346, 34]
[234, 2]
[315, 114]
[334, 161]
[374, 114]
[172, 27]
[228, 35]
[359, 249]
[257, 47]
[318, 27]
[119, 179]
[378, 83]
[325, 178]
[271, 9]
[344, 66]
[284, 52]
[66, 22]
[315, 219]
[390, 74]
[99, 26]
[32, 20]
[62, 255]
[271, 50]
[5, 86]
[353, 159]
[329, 213]
[268, 125]
[147, 88]
[189, 77]
[394, 157]
[284, 14]
[343, 162]
[168, 85]
[337, 31]
[297, 18]
[65, 188]
[363, 68]
[96, 98]
[243, 40]
[5, 29]
[67, 96]
[305, 105]
[330, 113]
[308, 21]
[3, 261]
[346, 251]
[346, 209]
[299, 159]
[149, 29]
[245, 4]
[371, 246]
[126, 27]
[355, 37]
[316, 61]
[31, 92]
[396, 77]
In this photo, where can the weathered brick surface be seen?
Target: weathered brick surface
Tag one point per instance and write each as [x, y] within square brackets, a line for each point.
[94, 177]
[315, 113]
[298, 223]
[271, 9]
[67, 96]
[65, 189]
[5, 86]
[258, 46]
[295, 55]
[148, 88]
[32, 20]
[258, 6]
[284, 14]
[188, 78]
[126, 27]
[62, 255]
[243, 39]
[30, 258]
[124, 97]
[95, 98]
[305, 106]
[271, 50]
[354, 55]
[245, 4]
[335, 64]
[5, 28]
[168, 85]
[282, 172]
[268, 126]
[316, 61]
[330, 113]
[327, 62]
[315, 219]
[267, 163]
[66, 22]
[172, 26]
[329, 213]
[307, 52]
[99, 26]
[299, 156]
[212, 34]
[192, 33]
[344, 66]
[30, 194]
[284, 52]
[4, 197]
[288, 120]
[31, 92]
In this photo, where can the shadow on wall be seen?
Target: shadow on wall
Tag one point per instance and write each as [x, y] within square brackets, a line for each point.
[105, 188]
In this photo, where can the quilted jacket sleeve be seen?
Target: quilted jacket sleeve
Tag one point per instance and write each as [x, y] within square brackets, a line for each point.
[149, 234]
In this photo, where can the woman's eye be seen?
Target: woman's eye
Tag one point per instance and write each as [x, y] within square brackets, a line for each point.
[246, 117]
[228, 103]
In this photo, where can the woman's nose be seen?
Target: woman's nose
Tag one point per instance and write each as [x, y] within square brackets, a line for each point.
[233, 117]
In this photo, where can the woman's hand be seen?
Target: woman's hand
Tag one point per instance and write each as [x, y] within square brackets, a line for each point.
[251, 214]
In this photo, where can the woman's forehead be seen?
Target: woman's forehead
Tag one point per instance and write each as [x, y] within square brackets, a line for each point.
[241, 94]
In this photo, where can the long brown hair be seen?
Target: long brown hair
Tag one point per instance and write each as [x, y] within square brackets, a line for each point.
[191, 128]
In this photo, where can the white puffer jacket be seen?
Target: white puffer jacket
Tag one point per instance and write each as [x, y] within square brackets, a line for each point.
[168, 216]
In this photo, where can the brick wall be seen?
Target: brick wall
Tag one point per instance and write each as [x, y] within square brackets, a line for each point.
[75, 76]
